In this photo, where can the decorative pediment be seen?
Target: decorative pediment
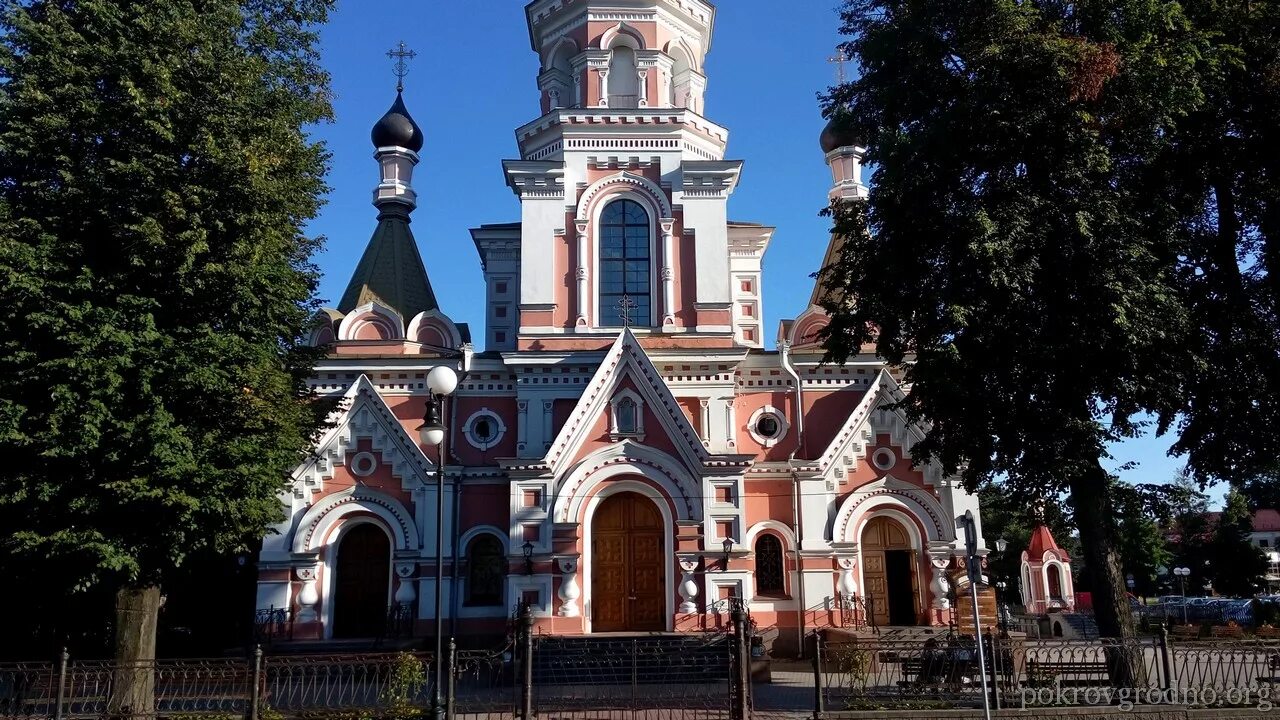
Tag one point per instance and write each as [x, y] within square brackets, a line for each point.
[362, 414]
[891, 493]
[874, 415]
[626, 360]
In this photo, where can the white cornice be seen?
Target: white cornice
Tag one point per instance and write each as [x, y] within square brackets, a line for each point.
[692, 19]
[540, 180]
[630, 132]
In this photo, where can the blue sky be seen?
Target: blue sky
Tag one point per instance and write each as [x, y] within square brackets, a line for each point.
[473, 83]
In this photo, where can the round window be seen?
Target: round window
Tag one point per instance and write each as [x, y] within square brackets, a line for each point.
[484, 431]
[768, 426]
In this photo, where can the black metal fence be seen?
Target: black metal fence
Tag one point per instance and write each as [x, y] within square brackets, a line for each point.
[658, 677]
[1021, 673]
[702, 676]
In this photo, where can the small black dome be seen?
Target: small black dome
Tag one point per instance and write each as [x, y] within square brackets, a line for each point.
[837, 135]
[397, 128]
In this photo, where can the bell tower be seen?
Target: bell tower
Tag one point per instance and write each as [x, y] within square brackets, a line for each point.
[624, 188]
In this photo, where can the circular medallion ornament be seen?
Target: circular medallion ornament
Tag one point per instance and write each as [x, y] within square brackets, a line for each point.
[364, 464]
[884, 459]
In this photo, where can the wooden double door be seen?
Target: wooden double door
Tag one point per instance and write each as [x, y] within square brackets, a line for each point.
[889, 573]
[628, 565]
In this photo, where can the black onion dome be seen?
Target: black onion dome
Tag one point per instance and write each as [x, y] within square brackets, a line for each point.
[837, 135]
[397, 128]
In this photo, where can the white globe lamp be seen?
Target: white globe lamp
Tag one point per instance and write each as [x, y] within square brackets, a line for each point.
[442, 381]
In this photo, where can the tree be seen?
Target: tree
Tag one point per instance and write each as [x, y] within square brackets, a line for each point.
[1223, 173]
[1191, 534]
[155, 175]
[1011, 256]
[1262, 492]
[1142, 513]
[1236, 566]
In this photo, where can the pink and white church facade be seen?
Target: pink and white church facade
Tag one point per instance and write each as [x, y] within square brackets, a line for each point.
[624, 453]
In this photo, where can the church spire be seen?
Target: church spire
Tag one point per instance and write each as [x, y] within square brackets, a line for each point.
[391, 271]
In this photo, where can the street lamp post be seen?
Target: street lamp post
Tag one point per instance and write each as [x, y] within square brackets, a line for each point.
[1182, 573]
[1002, 603]
[441, 382]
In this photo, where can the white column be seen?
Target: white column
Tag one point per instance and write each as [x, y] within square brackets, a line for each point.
[939, 561]
[583, 299]
[309, 597]
[644, 87]
[603, 74]
[548, 425]
[688, 586]
[569, 590]
[668, 273]
[522, 423]
[848, 584]
[704, 427]
[405, 593]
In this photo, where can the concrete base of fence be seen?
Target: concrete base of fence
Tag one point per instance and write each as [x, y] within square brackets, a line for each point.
[1075, 713]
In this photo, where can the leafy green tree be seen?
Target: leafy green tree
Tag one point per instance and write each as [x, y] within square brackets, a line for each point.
[1222, 171]
[1143, 512]
[1236, 566]
[1190, 533]
[155, 176]
[1012, 256]
[1262, 492]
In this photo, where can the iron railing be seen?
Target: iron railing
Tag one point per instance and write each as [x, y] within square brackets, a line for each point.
[672, 677]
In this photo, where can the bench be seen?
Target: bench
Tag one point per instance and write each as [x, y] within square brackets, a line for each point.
[914, 674]
[1070, 674]
[1185, 632]
[1267, 632]
[1226, 631]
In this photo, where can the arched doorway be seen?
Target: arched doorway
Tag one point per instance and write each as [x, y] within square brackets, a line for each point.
[627, 566]
[889, 572]
[362, 582]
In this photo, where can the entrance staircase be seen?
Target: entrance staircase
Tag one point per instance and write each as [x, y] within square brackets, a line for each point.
[626, 659]
[1077, 625]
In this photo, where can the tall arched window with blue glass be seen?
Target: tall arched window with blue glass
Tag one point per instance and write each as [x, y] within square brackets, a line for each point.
[626, 268]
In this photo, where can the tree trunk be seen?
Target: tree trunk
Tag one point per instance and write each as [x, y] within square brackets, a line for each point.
[1091, 499]
[133, 683]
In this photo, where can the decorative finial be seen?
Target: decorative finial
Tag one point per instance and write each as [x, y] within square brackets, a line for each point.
[839, 59]
[400, 55]
[626, 306]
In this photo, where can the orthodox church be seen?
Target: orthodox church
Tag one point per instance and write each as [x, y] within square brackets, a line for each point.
[623, 452]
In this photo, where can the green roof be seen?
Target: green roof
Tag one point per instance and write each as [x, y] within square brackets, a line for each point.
[391, 272]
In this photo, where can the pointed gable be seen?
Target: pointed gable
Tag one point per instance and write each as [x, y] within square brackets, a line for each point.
[362, 415]
[873, 415]
[626, 373]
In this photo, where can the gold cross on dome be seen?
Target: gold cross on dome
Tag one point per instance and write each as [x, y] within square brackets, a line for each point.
[839, 59]
[626, 306]
[400, 55]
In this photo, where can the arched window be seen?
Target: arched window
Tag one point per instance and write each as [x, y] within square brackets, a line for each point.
[1055, 583]
[681, 79]
[625, 267]
[769, 566]
[624, 79]
[486, 571]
